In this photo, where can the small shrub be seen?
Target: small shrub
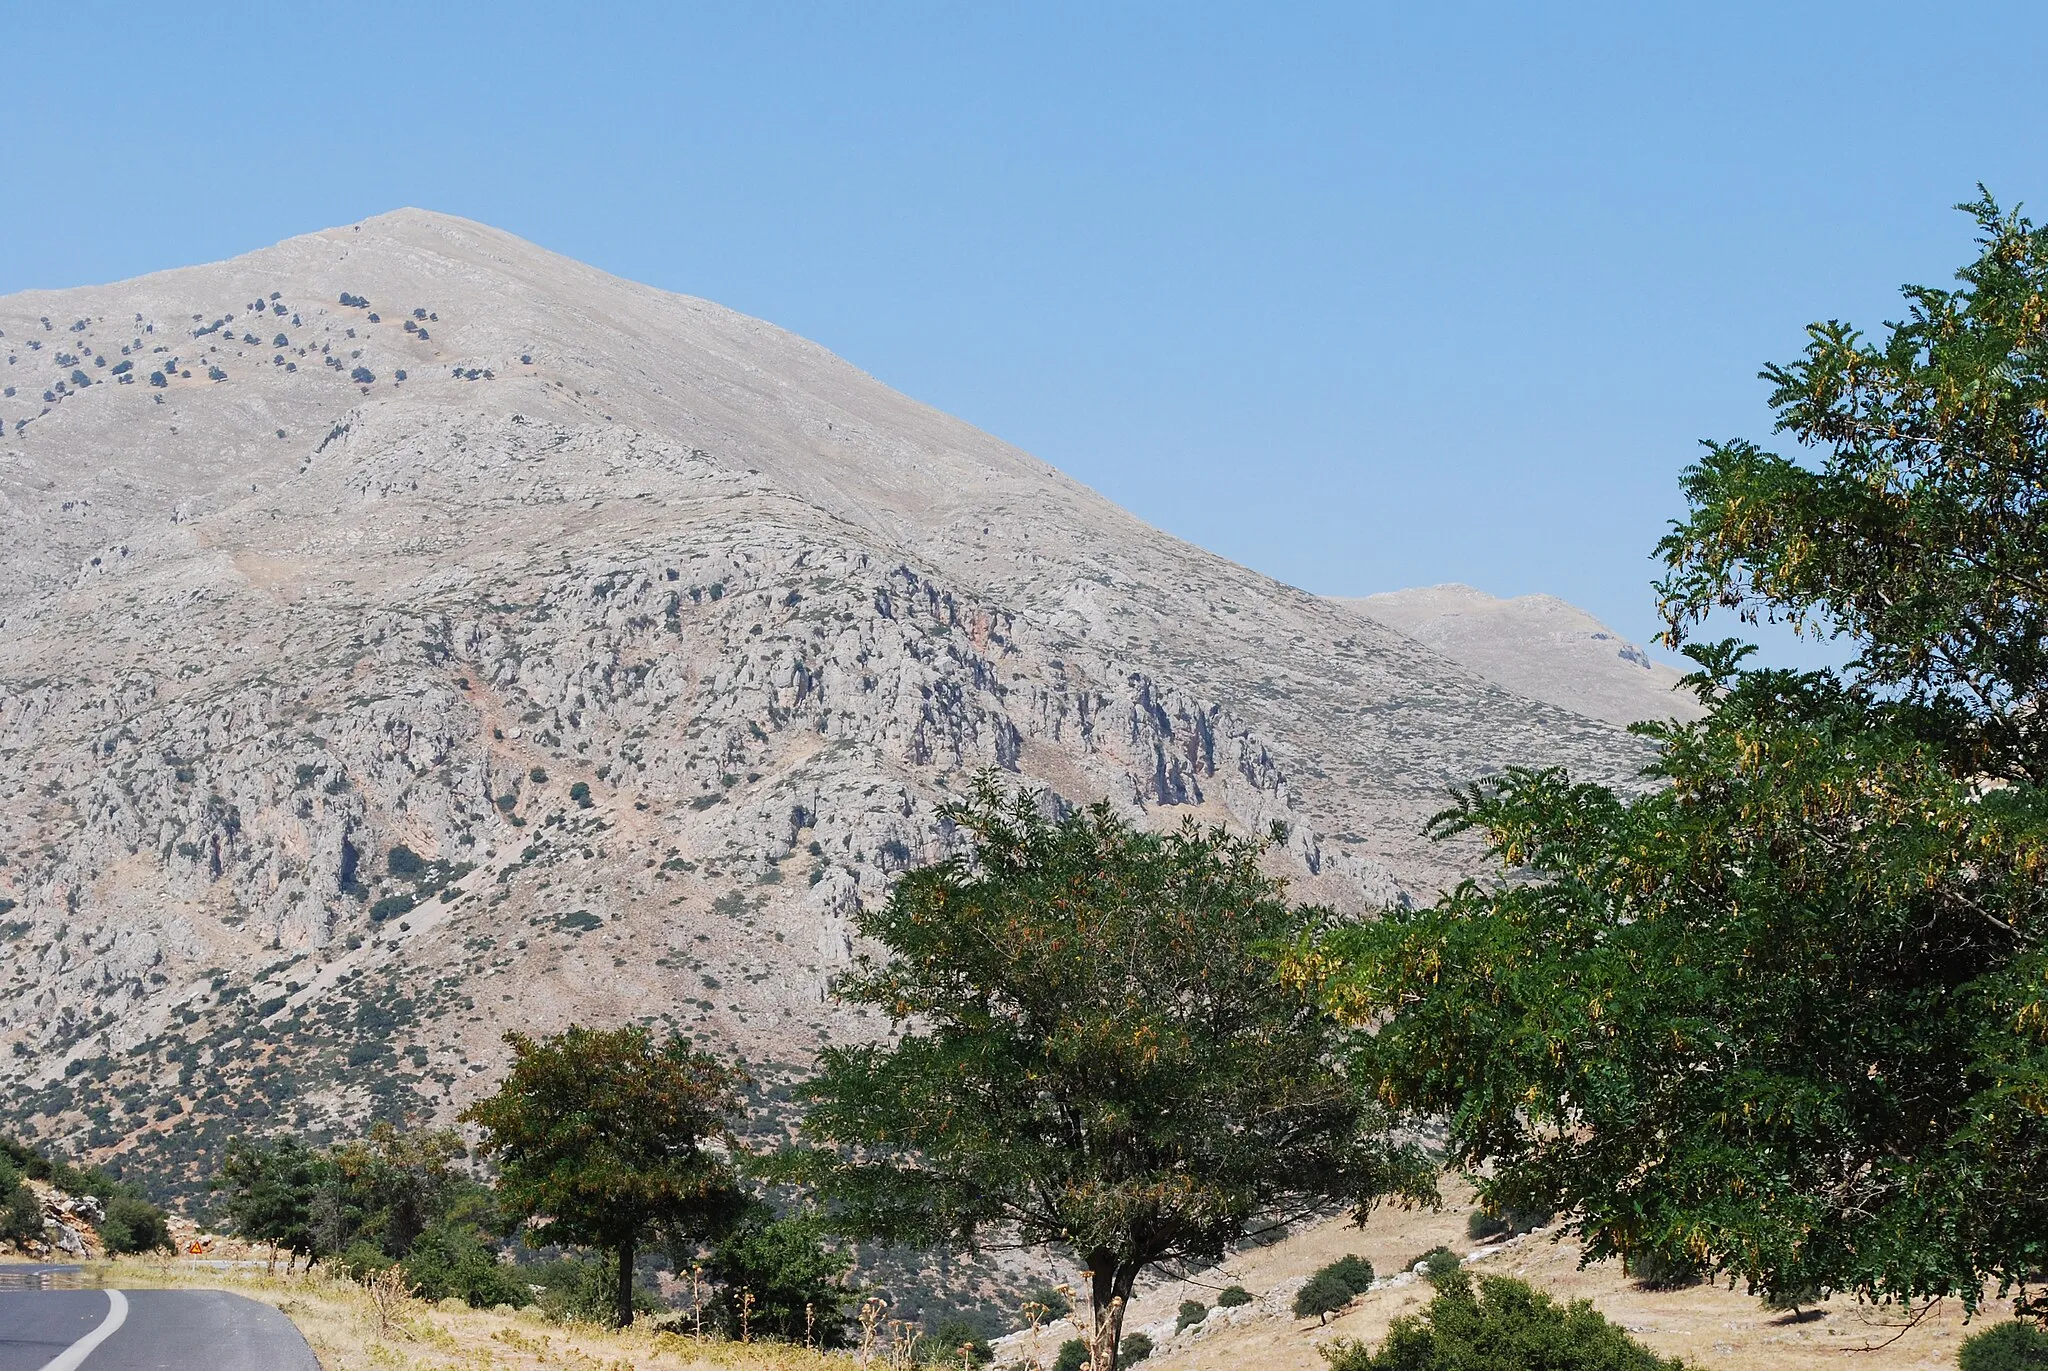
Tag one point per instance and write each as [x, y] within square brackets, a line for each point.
[1073, 1356]
[580, 793]
[1133, 1349]
[942, 1346]
[391, 907]
[1191, 1313]
[1323, 1296]
[134, 1225]
[1233, 1296]
[537, 775]
[1054, 1302]
[1504, 1324]
[1440, 1266]
[449, 1261]
[1354, 1270]
[22, 1216]
[1655, 1270]
[363, 376]
[363, 1259]
[1480, 1226]
[403, 861]
[2010, 1346]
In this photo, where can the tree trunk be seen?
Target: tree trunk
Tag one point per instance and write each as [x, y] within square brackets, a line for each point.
[625, 1305]
[1109, 1294]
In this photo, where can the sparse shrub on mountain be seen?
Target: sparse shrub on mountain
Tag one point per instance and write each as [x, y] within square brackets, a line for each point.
[1783, 1009]
[1502, 1325]
[1191, 1313]
[1098, 1049]
[1073, 1356]
[1134, 1348]
[1233, 1297]
[602, 1137]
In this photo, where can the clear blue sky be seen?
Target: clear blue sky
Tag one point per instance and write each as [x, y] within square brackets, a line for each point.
[1361, 296]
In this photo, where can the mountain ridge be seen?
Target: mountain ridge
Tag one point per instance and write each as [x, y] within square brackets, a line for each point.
[651, 634]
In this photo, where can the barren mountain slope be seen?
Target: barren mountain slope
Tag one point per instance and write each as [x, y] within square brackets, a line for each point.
[511, 644]
[1538, 646]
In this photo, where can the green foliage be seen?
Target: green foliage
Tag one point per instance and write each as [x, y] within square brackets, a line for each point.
[450, 1259]
[269, 1191]
[2009, 1346]
[797, 1283]
[1440, 1266]
[942, 1345]
[580, 793]
[1073, 1356]
[1134, 1348]
[387, 1188]
[1784, 1014]
[1332, 1287]
[1054, 1302]
[1232, 1297]
[580, 1290]
[1099, 1051]
[362, 1259]
[1353, 1270]
[1322, 1296]
[21, 1217]
[1191, 1313]
[403, 861]
[601, 1137]
[1503, 1326]
[134, 1225]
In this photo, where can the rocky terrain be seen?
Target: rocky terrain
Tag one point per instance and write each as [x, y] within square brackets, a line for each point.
[407, 634]
[1537, 646]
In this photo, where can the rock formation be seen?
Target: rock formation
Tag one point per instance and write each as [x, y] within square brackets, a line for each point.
[407, 634]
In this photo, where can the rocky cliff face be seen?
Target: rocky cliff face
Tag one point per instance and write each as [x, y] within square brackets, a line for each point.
[407, 635]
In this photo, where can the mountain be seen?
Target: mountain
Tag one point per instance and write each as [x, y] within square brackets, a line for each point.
[1539, 647]
[408, 634]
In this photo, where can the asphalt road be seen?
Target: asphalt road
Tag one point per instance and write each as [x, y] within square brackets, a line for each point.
[146, 1330]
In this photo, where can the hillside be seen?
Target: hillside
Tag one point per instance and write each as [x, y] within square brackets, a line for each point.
[1537, 646]
[407, 634]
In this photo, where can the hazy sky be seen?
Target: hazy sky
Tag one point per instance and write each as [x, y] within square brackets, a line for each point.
[1361, 296]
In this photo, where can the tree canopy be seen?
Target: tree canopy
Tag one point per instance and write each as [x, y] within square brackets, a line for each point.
[610, 1139]
[1784, 1013]
[1095, 1050]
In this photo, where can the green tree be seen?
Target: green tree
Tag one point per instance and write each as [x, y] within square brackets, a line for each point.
[270, 1190]
[1096, 1050]
[387, 1188]
[1504, 1325]
[603, 1137]
[134, 1225]
[450, 1259]
[791, 1285]
[1784, 1013]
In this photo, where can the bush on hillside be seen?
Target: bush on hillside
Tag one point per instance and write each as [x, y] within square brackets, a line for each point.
[1503, 1325]
[1073, 1356]
[1323, 1296]
[1054, 1302]
[1192, 1312]
[942, 1346]
[1655, 1270]
[134, 1225]
[2011, 1346]
[1232, 1296]
[1133, 1349]
[450, 1260]
[581, 1290]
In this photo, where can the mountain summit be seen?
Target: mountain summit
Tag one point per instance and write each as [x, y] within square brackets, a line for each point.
[407, 633]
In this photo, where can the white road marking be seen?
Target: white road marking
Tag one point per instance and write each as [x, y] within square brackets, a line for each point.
[70, 1357]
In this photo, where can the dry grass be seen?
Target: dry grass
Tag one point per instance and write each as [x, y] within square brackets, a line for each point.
[349, 1332]
[1710, 1327]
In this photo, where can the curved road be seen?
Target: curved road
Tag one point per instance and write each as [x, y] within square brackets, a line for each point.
[146, 1330]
